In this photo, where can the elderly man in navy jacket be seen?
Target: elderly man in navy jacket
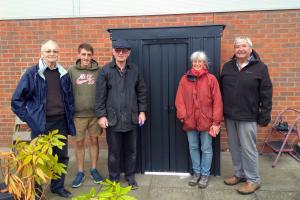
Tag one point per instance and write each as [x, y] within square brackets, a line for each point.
[44, 100]
[247, 99]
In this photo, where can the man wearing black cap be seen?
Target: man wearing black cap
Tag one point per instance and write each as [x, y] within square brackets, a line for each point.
[120, 107]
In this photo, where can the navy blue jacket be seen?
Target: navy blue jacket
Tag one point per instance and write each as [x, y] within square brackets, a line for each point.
[29, 99]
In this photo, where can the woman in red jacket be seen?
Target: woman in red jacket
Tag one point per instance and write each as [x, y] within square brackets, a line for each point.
[200, 109]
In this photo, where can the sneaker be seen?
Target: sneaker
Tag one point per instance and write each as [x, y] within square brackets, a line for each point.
[203, 183]
[194, 179]
[78, 180]
[96, 176]
[133, 184]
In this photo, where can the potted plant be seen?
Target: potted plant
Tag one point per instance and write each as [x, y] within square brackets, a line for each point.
[108, 191]
[29, 167]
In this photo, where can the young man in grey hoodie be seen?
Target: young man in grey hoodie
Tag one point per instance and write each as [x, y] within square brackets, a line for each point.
[83, 76]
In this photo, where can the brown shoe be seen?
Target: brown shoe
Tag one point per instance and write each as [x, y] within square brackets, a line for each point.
[233, 180]
[248, 188]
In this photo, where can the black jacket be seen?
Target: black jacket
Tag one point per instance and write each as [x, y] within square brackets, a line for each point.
[120, 98]
[247, 94]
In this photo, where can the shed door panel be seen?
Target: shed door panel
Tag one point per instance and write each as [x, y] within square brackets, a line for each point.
[164, 63]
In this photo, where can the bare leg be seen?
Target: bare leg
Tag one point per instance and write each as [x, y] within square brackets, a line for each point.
[94, 150]
[79, 151]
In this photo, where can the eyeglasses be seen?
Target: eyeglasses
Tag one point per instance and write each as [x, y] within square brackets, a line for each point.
[52, 51]
[122, 50]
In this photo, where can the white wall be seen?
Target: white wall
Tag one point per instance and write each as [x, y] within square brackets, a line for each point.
[35, 9]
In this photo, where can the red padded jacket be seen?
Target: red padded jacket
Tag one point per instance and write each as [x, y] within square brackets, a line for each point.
[198, 101]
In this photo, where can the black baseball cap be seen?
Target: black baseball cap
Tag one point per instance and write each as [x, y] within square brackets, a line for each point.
[120, 44]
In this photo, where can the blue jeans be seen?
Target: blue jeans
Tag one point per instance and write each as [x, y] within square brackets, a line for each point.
[200, 166]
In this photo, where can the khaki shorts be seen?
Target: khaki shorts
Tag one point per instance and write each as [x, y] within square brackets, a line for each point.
[86, 126]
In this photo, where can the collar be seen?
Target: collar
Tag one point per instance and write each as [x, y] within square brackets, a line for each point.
[47, 66]
[42, 66]
[190, 76]
[114, 64]
[240, 67]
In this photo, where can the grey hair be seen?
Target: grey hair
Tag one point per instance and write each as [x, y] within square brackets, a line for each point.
[243, 39]
[199, 55]
[44, 44]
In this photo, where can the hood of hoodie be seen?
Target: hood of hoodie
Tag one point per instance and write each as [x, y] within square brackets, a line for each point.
[94, 65]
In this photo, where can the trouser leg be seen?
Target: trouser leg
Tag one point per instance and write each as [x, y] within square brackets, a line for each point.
[129, 145]
[59, 123]
[247, 135]
[206, 153]
[194, 147]
[114, 140]
[234, 146]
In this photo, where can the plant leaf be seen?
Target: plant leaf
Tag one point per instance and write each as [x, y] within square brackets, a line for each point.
[41, 174]
[125, 190]
[126, 197]
[27, 160]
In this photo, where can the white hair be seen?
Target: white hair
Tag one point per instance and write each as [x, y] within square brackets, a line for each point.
[243, 39]
[45, 44]
[199, 55]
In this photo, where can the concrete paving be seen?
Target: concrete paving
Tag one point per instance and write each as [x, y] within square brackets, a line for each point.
[279, 183]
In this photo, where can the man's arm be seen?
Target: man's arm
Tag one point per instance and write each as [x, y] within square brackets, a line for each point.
[141, 92]
[70, 94]
[101, 96]
[265, 92]
[21, 94]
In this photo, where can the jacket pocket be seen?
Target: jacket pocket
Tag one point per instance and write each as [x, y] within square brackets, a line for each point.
[29, 118]
[205, 119]
[112, 117]
[189, 121]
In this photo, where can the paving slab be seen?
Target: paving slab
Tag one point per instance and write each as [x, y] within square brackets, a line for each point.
[279, 183]
[277, 195]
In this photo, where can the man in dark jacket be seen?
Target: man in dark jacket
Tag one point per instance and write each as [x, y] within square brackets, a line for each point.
[247, 100]
[44, 100]
[120, 107]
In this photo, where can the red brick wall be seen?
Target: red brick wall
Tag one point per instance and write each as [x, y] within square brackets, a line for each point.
[275, 34]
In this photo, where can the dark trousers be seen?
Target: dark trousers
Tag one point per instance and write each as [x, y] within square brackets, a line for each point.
[121, 148]
[60, 123]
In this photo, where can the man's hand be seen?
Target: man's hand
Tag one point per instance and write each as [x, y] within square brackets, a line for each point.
[103, 122]
[142, 118]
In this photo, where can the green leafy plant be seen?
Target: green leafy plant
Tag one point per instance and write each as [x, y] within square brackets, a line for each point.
[29, 167]
[108, 191]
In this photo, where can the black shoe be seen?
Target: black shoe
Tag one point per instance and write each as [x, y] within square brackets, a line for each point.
[63, 193]
[68, 192]
[133, 184]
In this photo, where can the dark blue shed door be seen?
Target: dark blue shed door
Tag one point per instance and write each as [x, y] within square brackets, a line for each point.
[162, 55]
[164, 61]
